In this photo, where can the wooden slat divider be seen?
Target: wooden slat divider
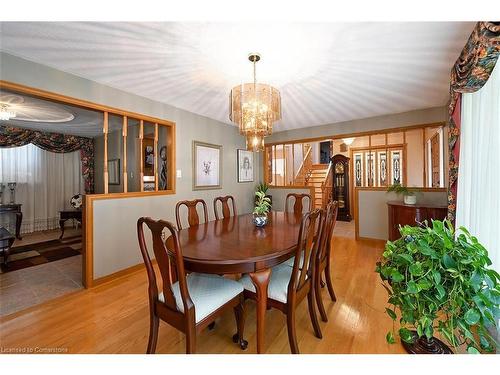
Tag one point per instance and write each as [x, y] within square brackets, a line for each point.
[141, 158]
[125, 174]
[155, 161]
[105, 130]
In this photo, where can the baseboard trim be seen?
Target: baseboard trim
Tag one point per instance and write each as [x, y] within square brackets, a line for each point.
[378, 241]
[117, 275]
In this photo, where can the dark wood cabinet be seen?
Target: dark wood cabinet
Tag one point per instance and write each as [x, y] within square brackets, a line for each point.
[411, 214]
[340, 165]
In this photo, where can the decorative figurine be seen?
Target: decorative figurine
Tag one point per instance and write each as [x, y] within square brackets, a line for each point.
[12, 187]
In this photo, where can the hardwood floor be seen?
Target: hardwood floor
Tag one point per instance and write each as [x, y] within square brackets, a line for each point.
[113, 317]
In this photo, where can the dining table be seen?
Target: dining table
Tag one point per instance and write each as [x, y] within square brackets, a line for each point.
[234, 245]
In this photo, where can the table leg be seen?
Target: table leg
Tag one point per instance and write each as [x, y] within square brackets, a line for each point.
[61, 225]
[261, 280]
[19, 220]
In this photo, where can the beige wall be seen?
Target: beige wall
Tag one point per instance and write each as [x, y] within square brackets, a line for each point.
[373, 213]
[279, 195]
[115, 238]
[421, 116]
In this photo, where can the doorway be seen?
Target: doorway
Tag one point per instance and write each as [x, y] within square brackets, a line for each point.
[325, 152]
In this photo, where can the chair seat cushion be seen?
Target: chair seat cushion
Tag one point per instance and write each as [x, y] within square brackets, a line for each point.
[208, 293]
[278, 284]
[290, 261]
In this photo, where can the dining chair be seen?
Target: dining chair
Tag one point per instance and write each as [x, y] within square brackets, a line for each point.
[323, 258]
[226, 212]
[298, 204]
[191, 302]
[193, 217]
[288, 286]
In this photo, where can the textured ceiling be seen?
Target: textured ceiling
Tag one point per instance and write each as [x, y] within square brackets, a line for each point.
[327, 73]
[44, 115]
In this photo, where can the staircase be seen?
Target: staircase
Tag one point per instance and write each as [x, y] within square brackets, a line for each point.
[317, 178]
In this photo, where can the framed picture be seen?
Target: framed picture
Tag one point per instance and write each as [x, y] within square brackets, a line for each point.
[207, 167]
[245, 166]
[114, 172]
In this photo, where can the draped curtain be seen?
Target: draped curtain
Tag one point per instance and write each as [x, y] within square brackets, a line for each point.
[46, 181]
[478, 199]
[470, 72]
[56, 143]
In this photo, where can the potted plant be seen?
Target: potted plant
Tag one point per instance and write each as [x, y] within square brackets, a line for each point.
[263, 187]
[262, 207]
[409, 196]
[439, 280]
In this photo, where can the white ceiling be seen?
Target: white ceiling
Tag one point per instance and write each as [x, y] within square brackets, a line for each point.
[48, 116]
[327, 73]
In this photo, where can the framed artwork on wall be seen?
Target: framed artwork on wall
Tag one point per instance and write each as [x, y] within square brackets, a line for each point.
[207, 166]
[245, 166]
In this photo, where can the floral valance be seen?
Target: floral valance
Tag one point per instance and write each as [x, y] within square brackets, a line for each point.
[54, 142]
[470, 72]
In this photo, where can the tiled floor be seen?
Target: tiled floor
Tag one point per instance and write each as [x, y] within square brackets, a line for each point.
[344, 229]
[31, 286]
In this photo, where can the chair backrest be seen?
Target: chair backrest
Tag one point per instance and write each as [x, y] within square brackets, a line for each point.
[169, 261]
[325, 242]
[310, 229]
[298, 204]
[226, 212]
[193, 217]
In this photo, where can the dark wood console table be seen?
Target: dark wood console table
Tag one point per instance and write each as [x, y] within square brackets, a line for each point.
[67, 215]
[6, 242]
[14, 208]
[409, 214]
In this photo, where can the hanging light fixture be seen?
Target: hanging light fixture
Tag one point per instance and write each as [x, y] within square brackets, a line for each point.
[255, 107]
[6, 113]
[348, 141]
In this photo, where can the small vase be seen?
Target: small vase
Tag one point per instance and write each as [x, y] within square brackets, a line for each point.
[259, 220]
[410, 199]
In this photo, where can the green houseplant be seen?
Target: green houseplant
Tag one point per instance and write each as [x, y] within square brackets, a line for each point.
[439, 280]
[262, 207]
[408, 195]
[263, 187]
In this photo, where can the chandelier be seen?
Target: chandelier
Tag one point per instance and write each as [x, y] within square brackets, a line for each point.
[255, 107]
[5, 113]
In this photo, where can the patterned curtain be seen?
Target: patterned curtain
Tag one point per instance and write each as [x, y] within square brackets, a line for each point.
[54, 142]
[470, 72]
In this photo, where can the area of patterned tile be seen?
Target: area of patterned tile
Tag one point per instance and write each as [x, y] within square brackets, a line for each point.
[30, 286]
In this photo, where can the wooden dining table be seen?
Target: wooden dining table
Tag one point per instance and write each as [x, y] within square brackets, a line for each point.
[235, 245]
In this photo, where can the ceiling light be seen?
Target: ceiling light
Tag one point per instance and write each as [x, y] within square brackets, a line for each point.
[255, 107]
[348, 141]
[6, 113]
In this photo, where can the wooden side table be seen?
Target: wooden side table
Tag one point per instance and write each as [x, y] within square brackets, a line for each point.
[411, 214]
[14, 208]
[67, 215]
[6, 242]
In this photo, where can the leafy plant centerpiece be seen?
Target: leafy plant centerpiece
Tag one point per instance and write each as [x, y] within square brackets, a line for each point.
[263, 187]
[408, 195]
[439, 280]
[262, 207]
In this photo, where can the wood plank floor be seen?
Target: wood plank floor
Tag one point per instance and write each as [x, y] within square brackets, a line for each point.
[113, 318]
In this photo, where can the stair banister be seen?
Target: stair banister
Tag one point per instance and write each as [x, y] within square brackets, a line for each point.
[326, 186]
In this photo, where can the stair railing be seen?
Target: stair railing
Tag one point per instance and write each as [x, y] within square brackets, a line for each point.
[327, 186]
[304, 172]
